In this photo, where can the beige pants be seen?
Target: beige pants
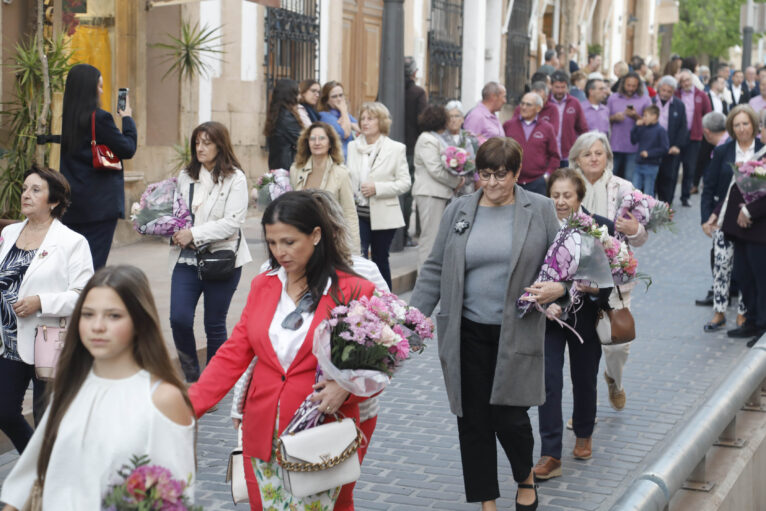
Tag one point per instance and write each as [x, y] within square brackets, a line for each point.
[430, 210]
[616, 356]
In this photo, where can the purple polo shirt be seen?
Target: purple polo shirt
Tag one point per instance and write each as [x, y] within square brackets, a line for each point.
[758, 103]
[483, 123]
[597, 117]
[664, 112]
[621, 130]
[560, 105]
[688, 99]
[528, 127]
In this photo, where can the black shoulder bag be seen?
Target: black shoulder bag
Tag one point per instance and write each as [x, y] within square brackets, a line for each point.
[218, 265]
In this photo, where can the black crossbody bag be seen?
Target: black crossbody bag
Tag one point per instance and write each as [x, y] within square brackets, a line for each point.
[218, 265]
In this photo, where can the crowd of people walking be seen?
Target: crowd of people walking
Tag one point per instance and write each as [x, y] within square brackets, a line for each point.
[489, 199]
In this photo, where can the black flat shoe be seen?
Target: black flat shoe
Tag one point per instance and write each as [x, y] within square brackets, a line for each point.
[705, 302]
[686, 203]
[527, 507]
[712, 326]
[743, 331]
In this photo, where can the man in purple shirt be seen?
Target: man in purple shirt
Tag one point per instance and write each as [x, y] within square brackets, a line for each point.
[625, 108]
[758, 102]
[596, 112]
[481, 120]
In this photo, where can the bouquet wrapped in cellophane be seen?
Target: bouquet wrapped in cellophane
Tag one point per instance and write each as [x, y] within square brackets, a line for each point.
[750, 177]
[650, 212]
[161, 211]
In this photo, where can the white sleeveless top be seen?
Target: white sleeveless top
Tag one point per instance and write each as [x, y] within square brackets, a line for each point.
[108, 422]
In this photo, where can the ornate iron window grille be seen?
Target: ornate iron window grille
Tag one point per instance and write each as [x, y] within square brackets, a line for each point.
[445, 50]
[292, 41]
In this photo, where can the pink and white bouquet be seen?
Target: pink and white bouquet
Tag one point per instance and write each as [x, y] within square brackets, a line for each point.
[271, 185]
[750, 177]
[161, 210]
[622, 262]
[147, 487]
[650, 212]
[361, 346]
[576, 254]
[460, 162]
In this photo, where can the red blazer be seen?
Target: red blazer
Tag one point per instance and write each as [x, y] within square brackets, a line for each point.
[271, 386]
[701, 107]
[573, 125]
[540, 153]
[548, 113]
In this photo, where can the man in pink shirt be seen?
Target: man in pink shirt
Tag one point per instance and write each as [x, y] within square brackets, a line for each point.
[482, 120]
[540, 154]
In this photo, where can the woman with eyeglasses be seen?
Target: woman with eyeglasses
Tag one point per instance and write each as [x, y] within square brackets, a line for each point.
[488, 252]
[308, 101]
[333, 109]
[284, 307]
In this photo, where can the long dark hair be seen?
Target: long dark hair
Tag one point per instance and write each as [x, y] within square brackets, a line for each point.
[80, 100]
[75, 361]
[225, 162]
[284, 95]
[302, 211]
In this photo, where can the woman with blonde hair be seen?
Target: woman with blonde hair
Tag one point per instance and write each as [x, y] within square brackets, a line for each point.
[319, 165]
[379, 174]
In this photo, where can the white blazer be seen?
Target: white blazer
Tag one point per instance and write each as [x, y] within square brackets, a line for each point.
[59, 271]
[220, 219]
[391, 176]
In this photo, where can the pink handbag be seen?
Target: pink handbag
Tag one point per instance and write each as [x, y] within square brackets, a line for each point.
[49, 341]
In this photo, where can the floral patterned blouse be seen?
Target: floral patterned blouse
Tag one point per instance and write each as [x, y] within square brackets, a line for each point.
[12, 271]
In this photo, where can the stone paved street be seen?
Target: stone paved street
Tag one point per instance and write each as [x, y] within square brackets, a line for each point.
[414, 459]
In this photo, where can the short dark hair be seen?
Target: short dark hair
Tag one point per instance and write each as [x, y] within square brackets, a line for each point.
[572, 175]
[539, 76]
[592, 56]
[433, 118]
[559, 76]
[58, 188]
[499, 153]
[653, 109]
[590, 85]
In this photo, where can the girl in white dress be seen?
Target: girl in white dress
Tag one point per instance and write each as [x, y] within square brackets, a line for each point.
[116, 395]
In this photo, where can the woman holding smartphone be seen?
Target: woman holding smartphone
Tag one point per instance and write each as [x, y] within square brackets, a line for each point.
[98, 194]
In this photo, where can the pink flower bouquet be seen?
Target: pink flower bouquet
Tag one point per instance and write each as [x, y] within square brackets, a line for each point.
[750, 177]
[271, 185]
[161, 211]
[361, 346]
[650, 212]
[459, 162]
[575, 255]
[147, 487]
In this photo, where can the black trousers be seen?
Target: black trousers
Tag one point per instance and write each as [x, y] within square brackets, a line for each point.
[583, 368]
[689, 156]
[482, 423]
[14, 380]
[667, 177]
[750, 272]
[99, 236]
[703, 159]
[538, 185]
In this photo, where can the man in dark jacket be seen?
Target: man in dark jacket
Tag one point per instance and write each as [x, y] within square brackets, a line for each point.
[415, 101]
[673, 119]
[697, 105]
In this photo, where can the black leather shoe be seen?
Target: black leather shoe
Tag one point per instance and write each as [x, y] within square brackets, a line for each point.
[712, 326]
[752, 341]
[705, 302]
[685, 203]
[527, 507]
[743, 331]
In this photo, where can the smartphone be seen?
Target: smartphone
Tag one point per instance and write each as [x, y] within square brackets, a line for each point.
[630, 107]
[122, 98]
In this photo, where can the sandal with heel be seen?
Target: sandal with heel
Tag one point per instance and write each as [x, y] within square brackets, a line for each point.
[526, 507]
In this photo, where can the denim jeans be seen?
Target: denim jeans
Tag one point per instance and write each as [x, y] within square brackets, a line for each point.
[185, 290]
[644, 176]
[624, 163]
[380, 243]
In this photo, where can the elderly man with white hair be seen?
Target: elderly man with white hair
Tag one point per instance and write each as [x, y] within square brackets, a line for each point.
[697, 105]
[673, 119]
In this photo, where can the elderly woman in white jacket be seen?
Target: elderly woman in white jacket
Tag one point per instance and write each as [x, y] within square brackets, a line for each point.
[379, 175]
[43, 267]
[592, 156]
[217, 191]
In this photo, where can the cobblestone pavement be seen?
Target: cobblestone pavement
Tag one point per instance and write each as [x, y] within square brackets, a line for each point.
[414, 460]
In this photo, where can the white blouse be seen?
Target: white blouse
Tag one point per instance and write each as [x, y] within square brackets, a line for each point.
[107, 423]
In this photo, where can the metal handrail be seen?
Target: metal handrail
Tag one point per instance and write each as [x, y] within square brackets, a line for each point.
[654, 488]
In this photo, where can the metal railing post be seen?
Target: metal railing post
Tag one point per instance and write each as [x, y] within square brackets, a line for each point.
[728, 437]
[697, 480]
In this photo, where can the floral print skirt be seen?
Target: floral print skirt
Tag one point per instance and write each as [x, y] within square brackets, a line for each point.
[275, 497]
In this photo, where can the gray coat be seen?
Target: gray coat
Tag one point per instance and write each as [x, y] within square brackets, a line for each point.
[519, 374]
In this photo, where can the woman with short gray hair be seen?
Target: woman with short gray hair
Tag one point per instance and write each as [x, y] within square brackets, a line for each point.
[456, 136]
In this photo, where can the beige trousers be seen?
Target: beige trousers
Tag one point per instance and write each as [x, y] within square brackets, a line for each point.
[430, 210]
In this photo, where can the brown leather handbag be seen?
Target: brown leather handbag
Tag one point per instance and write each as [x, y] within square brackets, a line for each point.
[623, 325]
[103, 157]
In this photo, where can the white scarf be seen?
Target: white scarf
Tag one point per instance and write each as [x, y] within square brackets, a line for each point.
[368, 153]
[596, 200]
[202, 189]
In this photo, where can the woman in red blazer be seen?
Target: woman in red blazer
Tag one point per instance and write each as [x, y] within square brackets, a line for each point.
[284, 307]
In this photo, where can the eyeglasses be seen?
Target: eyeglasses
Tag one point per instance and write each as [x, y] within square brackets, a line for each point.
[336, 96]
[500, 175]
[317, 139]
[294, 320]
[455, 116]
[315, 91]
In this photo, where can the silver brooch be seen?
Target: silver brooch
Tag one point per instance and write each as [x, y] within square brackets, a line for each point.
[461, 226]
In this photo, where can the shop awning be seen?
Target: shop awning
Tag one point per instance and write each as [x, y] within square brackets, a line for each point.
[161, 3]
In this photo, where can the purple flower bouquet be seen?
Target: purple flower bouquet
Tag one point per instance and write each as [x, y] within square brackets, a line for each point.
[271, 185]
[650, 212]
[361, 346]
[750, 177]
[161, 211]
[575, 255]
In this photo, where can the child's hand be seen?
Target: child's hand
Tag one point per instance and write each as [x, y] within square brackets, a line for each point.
[644, 154]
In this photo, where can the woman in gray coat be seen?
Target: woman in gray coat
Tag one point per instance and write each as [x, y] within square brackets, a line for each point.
[488, 252]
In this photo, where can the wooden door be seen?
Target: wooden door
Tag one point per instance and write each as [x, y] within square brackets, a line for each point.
[362, 26]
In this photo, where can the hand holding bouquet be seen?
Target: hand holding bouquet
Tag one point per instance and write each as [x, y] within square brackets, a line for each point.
[147, 487]
[271, 185]
[459, 162]
[650, 212]
[750, 177]
[161, 211]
